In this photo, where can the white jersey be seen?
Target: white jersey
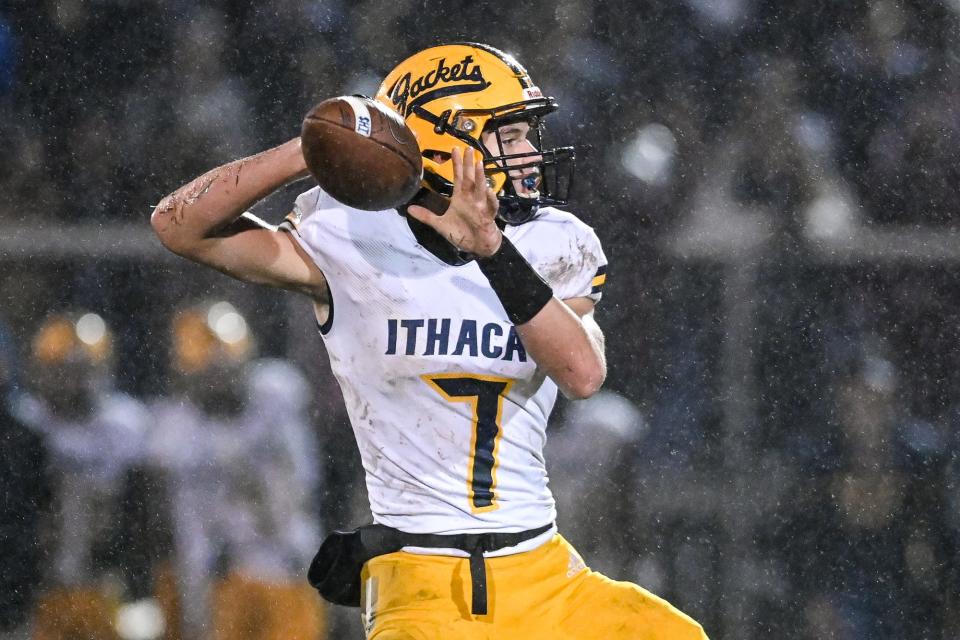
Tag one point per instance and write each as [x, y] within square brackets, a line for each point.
[88, 461]
[448, 409]
[241, 489]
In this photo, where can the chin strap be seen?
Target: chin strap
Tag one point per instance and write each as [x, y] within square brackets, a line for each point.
[515, 212]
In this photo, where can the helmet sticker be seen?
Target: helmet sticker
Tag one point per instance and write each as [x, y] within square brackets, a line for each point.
[407, 93]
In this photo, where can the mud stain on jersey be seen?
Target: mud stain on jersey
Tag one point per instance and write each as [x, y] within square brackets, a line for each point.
[448, 436]
[566, 268]
[375, 461]
[359, 411]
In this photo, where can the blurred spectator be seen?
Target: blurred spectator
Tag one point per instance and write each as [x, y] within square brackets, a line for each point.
[761, 174]
[241, 468]
[25, 495]
[588, 458]
[213, 104]
[913, 162]
[863, 539]
[884, 77]
[94, 436]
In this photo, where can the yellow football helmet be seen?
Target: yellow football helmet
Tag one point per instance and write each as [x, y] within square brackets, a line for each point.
[450, 94]
[210, 344]
[72, 337]
[71, 361]
[209, 335]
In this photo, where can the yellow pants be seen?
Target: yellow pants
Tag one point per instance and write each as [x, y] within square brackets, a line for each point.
[249, 609]
[69, 614]
[545, 594]
[165, 586]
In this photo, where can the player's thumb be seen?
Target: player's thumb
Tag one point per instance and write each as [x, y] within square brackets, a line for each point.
[422, 214]
[493, 202]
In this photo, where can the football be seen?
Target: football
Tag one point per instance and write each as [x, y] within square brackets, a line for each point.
[361, 153]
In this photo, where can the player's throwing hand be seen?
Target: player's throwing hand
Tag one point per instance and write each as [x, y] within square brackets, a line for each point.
[469, 223]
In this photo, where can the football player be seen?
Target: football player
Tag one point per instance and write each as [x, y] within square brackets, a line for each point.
[450, 336]
[94, 437]
[237, 454]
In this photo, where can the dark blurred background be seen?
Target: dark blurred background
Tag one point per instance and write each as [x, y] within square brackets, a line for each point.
[775, 187]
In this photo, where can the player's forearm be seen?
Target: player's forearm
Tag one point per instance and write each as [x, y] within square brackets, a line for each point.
[199, 209]
[557, 338]
[567, 348]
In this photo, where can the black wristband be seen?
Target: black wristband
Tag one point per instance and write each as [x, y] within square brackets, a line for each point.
[522, 292]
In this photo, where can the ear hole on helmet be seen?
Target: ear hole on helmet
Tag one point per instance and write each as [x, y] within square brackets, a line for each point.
[437, 156]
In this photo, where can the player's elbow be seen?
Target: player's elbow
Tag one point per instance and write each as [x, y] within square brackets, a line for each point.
[167, 222]
[585, 381]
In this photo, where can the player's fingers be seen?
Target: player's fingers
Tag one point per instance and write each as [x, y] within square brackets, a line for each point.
[493, 204]
[456, 157]
[479, 177]
[466, 172]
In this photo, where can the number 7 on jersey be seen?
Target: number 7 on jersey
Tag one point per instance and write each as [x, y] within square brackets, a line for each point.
[485, 394]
